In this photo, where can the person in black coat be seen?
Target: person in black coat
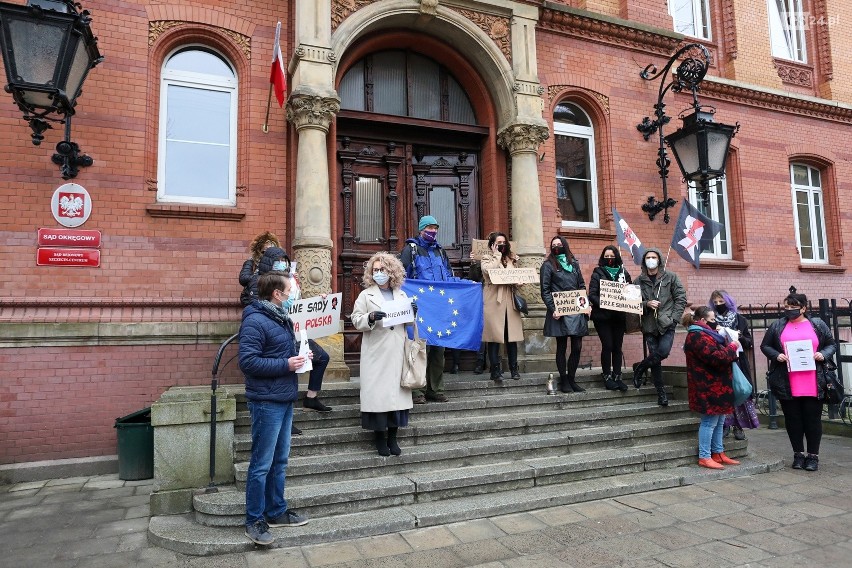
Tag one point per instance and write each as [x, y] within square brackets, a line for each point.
[609, 324]
[248, 273]
[744, 415]
[561, 273]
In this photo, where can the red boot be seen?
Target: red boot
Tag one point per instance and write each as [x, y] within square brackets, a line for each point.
[722, 458]
[710, 464]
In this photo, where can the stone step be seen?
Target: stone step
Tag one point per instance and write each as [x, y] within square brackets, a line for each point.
[516, 421]
[327, 468]
[181, 533]
[227, 508]
[480, 403]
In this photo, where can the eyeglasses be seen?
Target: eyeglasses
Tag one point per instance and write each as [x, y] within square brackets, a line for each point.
[377, 270]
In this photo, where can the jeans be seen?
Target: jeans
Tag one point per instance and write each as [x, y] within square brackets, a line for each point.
[270, 450]
[803, 417]
[710, 435]
[320, 362]
[659, 347]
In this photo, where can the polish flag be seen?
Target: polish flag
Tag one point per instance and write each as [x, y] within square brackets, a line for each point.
[277, 77]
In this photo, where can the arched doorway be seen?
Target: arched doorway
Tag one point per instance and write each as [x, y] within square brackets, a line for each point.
[408, 143]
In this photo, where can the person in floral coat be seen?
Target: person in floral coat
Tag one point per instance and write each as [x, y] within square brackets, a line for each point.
[710, 383]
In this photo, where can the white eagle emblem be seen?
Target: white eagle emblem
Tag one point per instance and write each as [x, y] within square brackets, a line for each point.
[71, 206]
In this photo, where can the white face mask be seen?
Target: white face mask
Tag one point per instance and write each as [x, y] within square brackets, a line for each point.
[652, 263]
[380, 278]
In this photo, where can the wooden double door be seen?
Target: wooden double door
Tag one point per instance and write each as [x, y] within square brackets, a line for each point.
[385, 187]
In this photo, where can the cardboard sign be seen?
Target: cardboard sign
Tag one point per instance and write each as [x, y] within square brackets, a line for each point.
[479, 247]
[621, 297]
[571, 303]
[513, 275]
[317, 316]
[398, 311]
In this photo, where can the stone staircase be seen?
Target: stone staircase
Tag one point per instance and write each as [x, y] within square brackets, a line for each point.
[492, 449]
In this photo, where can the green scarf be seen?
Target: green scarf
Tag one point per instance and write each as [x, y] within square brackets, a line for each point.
[612, 270]
[563, 262]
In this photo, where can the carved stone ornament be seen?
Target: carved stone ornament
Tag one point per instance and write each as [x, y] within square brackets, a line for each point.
[729, 26]
[342, 9]
[795, 75]
[522, 137]
[314, 268]
[429, 7]
[498, 28]
[312, 111]
[156, 28]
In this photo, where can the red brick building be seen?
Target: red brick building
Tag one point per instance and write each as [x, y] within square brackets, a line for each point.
[513, 115]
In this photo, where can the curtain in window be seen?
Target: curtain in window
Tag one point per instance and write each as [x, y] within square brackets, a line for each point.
[369, 225]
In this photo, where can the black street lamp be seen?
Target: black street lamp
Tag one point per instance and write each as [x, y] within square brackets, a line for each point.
[48, 49]
[700, 146]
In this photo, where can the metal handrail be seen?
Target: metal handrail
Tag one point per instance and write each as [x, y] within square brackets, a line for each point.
[214, 384]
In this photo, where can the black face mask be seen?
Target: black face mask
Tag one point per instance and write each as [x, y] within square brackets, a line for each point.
[721, 309]
[792, 313]
[501, 247]
[712, 324]
[609, 261]
[557, 250]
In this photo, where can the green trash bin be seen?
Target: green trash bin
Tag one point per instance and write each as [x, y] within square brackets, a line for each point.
[135, 445]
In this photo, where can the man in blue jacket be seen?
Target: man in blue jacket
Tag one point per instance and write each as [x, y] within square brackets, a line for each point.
[268, 359]
[424, 259]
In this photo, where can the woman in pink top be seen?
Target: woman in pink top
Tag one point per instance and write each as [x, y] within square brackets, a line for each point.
[799, 392]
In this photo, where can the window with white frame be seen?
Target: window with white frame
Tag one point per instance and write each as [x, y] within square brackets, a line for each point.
[197, 158]
[691, 17]
[787, 29]
[576, 171]
[808, 212]
[717, 209]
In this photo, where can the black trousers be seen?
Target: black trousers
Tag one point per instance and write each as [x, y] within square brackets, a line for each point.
[568, 368]
[611, 334]
[803, 418]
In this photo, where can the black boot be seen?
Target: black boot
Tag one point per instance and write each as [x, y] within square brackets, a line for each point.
[512, 354]
[393, 446]
[480, 360]
[662, 398]
[381, 444]
[456, 356]
[574, 386]
[494, 361]
[619, 384]
[609, 382]
[564, 384]
[638, 373]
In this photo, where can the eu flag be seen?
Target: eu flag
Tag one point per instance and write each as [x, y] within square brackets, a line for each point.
[449, 314]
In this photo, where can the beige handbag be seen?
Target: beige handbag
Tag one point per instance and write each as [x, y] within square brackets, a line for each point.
[413, 362]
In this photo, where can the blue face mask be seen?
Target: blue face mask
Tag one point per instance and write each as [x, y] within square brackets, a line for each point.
[280, 265]
[287, 304]
[380, 278]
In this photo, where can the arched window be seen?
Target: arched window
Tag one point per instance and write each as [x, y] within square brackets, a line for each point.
[808, 212]
[198, 128]
[576, 171]
[403, 83]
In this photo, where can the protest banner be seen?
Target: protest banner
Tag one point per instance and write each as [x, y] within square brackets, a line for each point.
[479, 247]
[317, 316]
[571, 303]
[397, 311]
[513, 275]
[621, 297]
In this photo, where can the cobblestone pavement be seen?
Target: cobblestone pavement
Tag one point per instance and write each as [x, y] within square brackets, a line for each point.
[786, 518]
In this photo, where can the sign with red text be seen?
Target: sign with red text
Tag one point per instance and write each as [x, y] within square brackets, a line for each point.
[71, 205]
[317, 316]
[79, 238]
[571, 303]
[68, 257]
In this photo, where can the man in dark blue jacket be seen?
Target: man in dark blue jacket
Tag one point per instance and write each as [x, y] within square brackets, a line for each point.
[424, 259]
[268, 359]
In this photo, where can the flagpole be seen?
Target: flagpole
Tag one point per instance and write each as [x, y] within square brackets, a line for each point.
[268, 103]
[275, 46]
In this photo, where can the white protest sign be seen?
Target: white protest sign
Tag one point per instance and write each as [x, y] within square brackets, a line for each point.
[621, 297]
[479, 247]
[304, 349]
[571, 303]
[397, 311]
[317, 316]
[513, 275]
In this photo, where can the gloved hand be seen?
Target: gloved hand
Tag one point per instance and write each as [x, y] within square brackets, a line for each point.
[376, 316]
[414, 306]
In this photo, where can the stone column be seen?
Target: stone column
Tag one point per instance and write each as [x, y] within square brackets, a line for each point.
[522, 141]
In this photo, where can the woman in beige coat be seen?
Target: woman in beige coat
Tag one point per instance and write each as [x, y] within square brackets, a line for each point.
[384, 404]
[502, 321]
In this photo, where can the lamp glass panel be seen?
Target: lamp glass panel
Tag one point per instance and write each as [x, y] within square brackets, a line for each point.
[37, 46]
[38, 99]
[717, 149]
[79, 67]
[686, 151]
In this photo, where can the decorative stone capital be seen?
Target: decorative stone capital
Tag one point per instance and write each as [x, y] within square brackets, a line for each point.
[517, 138]
[314, 268]
[312, 111]
[531, 292]
[429, 7]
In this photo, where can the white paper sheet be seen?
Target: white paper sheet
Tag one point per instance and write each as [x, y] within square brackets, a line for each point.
[398, 311]
[733, 335]
[304, 349]
[800, 355]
